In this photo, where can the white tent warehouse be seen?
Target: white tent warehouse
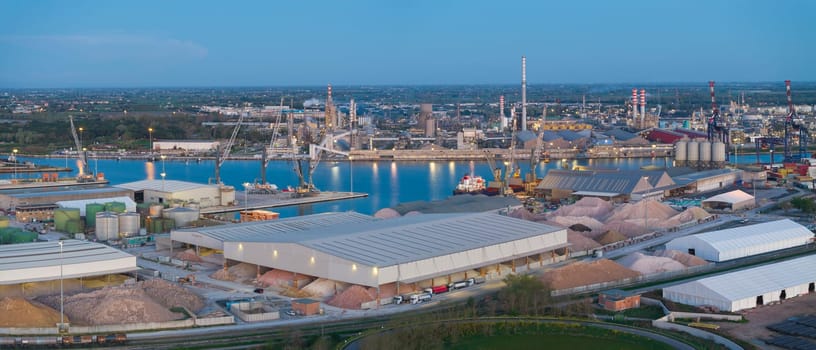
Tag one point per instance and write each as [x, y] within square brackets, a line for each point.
[748, 288]
[731, 201]
[739, 242]
[42, 261]
[405, 250]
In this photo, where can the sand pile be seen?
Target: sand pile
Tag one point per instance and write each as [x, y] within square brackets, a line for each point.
[641, 209]
[631, 228]
[690, 214]
[277, 278]
[171, 295]
[610, 237]
[351, 298]
[188, 255]
[19, 312]
[567, 221]
[683, 258]
[647, 264]
[386, 213]
[412, 213]
[113, 306]
[293, 292]
[243, 272]
[581, 274]
[222, 275]
[524, 214]
[588, 206]
[322, 287]
[579, 242]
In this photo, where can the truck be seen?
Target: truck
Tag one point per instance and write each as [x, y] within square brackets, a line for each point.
[459, 284]
[476, 280]
[399, 299]
[420, 298]
[437, 289]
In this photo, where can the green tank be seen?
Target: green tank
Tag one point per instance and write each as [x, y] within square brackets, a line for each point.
[74, 226]
[4, 221]
[23, 237]
[168, 225]
[63, 215]
[116, 207]
[90, 213]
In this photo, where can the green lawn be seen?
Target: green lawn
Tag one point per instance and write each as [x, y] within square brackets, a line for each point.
[555, 341]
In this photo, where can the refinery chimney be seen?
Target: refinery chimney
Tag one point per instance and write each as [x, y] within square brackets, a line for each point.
[634, 105]
[523, 93]
[502, 118]
[642, 107]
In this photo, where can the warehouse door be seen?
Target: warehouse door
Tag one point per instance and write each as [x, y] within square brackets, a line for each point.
[759, 301]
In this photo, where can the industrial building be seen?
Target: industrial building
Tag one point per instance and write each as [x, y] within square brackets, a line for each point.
[371, 252]
[740, 242]
[51, 196]
[169, 191]
[130, 205]
[185, 145]
[729, 201]
[614, 185]
[748, 288]
[690, 181]
[42, 261]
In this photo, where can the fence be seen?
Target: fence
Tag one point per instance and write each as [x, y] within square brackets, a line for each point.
[242, 311]
[596, 287]
[131, 327]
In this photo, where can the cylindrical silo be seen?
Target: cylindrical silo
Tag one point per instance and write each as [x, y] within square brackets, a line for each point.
[718, 154]
[62, 215]
[705, 154]
[74, 226]
[182, 216]
[128, 224]
[156, 209]
[192, 205]
[693, 153]
[680, 153]
[107, 226]
[90, 213]
[116, 207]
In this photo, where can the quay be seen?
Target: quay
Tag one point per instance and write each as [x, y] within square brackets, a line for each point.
[254, 201]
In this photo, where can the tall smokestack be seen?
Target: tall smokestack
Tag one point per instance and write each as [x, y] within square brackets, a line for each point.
[642, 106]
[523, 93]
[502, 118]
[634, 105]
[329, 118]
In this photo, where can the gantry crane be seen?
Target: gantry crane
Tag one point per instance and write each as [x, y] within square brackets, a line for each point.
[791, 124]
[264, 152]
[221, 157]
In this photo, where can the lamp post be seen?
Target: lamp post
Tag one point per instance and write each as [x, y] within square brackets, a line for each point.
[351, 175]
[62, 309]
[14, 159]
[163, 174]
[80, 134]
[246, 200]
[150, 143]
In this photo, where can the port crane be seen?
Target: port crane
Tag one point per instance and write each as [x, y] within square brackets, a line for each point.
[220, 157]
[792, 124]
[265, 151]
[84, 169]
[306, 184]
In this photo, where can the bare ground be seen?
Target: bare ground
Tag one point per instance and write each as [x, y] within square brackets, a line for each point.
[759, 318]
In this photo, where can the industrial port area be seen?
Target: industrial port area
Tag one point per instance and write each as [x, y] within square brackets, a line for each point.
[286, 194]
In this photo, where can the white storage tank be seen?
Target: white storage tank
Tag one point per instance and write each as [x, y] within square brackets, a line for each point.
[693, 154]
[718, 153]
[128, 224]
[182, 216]
[680, 152]
[192, 205]
[107, 226]
[705, 153]
[155, 209]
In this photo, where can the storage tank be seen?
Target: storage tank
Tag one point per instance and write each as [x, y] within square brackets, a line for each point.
[192, 205]
[718, 154]
[680, 153]
[107, 226]
[4, 221]
[74, 226]
[693, 153]
[156, 209]
[705, 154]
[62, 215]
[90, 213]
[128, 224]
[116, 207]
[182, 216]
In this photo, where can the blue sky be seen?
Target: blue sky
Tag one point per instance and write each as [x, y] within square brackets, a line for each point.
[278, 43]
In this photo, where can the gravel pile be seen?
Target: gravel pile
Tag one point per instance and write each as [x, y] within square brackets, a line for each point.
[592, 207]
[188, 255]
[582, 274]
[647, 264]
[610, 237]
[567, 221]
[683, 258]
[351, 298]
[579, 242]
[19, 312]
[322, 287]
[386, 213]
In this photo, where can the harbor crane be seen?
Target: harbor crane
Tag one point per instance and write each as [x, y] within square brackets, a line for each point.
[84, 169]
[306, 183]
[265, 152]
[221, 157]
[793, 124]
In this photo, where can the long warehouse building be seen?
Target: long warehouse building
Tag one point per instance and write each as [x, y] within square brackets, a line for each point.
[373, 252]
[42, 261]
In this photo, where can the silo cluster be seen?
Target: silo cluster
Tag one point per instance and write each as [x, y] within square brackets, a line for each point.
[699, 154]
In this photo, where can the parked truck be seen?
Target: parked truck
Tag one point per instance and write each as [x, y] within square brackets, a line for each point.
[437, 289]
[421, 298]
[476, 280]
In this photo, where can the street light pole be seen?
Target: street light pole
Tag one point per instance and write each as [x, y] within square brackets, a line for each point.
[150, 131]
[163, 174]
[246, 201]
[14, 159]
[62, 305]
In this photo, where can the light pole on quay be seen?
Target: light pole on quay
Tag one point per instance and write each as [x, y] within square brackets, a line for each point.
[163, 174]
[14, 159]
[62, 304]
[150, 132]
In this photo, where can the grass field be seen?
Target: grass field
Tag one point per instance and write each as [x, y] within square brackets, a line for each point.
[555, 341]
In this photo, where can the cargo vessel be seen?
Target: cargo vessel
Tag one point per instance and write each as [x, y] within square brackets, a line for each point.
[470, 184]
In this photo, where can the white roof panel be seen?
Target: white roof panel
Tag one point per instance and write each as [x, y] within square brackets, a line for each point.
[41, 261]
[754, 235]
[736, 196]
[756, 281]
[164, 185]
